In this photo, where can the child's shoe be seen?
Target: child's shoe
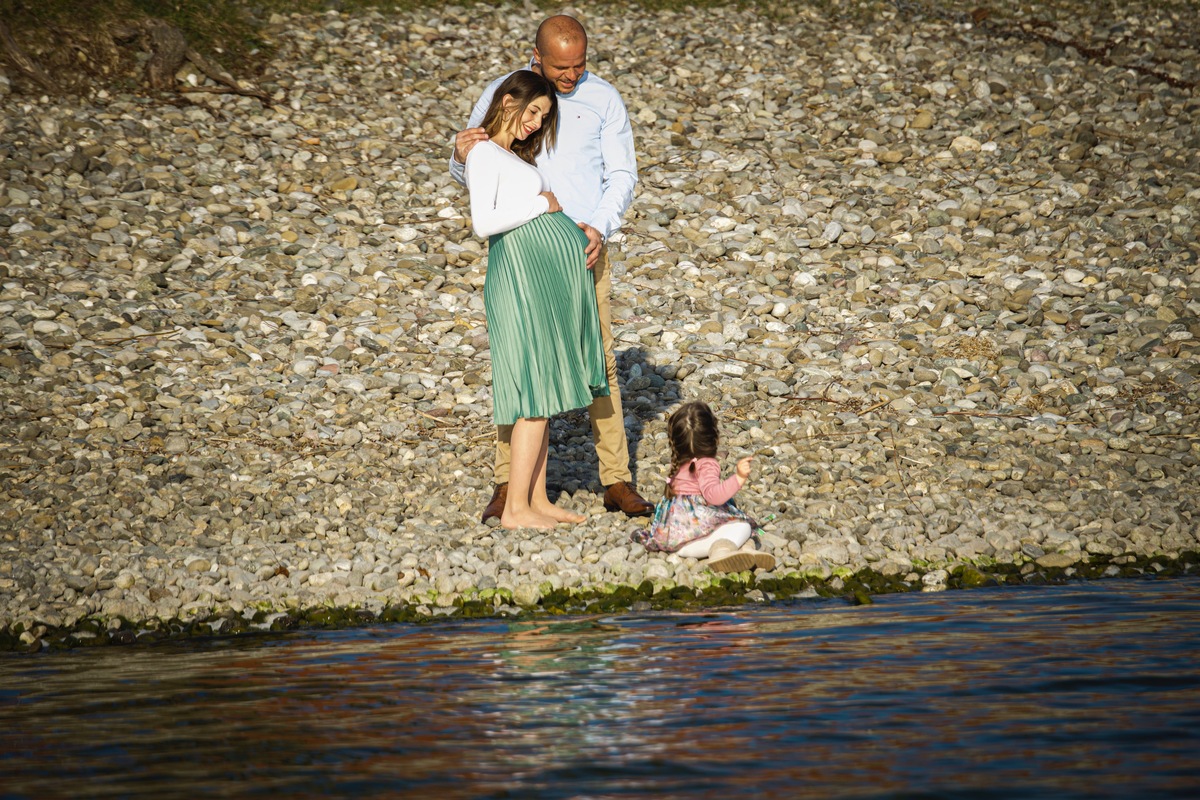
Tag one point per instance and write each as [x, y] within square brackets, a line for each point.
[724, 557]
[763, 561]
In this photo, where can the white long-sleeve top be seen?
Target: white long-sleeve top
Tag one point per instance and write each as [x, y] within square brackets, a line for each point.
[593, 170]
[505, 191]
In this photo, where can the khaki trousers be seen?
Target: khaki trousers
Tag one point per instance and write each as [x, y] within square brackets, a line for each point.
[608, 422]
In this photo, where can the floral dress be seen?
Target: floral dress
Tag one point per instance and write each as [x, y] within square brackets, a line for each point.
[684, 518]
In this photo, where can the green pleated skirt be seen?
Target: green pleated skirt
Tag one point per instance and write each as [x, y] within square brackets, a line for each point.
[543, 326]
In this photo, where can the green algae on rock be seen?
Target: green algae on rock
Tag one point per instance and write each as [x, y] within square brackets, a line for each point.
[728, 591]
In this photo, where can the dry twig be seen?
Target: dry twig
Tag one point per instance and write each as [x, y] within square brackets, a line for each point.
[982, 414]
[896, 466]
[162, 334]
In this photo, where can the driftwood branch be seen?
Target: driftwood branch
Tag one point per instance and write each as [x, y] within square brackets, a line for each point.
[221, 76]
[24, 64]
[169, 49]
[987, 22]
[1098, 54]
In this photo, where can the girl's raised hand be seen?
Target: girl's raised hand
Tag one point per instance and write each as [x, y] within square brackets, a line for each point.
[743, 467]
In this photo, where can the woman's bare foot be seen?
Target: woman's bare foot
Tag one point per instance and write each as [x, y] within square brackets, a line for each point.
[526, 518]
[559, 513]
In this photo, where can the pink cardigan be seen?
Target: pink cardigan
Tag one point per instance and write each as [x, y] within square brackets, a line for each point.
[706, 482]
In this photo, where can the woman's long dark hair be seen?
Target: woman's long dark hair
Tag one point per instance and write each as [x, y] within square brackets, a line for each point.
[524, 86]
[692, 430]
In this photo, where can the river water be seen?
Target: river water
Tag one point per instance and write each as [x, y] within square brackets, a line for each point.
[1088, 690]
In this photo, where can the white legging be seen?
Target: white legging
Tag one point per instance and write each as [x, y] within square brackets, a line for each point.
[735, 532]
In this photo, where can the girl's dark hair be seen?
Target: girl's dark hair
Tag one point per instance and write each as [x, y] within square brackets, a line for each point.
[692, 429]
[524, 86]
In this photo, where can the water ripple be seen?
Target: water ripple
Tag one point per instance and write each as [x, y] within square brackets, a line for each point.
[1088, 690]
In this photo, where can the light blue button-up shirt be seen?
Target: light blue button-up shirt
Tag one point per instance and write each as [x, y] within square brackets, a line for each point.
[592, 170]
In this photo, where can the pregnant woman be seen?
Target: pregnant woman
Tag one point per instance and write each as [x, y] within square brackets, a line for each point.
[543, 327]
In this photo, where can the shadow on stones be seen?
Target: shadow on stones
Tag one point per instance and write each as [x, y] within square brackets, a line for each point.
[645, 396]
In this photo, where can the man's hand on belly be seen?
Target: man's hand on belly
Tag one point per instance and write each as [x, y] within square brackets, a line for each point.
[595, 242]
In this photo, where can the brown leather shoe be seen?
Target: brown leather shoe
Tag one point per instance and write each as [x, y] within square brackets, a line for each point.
[495, 506]
[621, 496]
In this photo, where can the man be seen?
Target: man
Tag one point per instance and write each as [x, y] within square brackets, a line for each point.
[592, 172]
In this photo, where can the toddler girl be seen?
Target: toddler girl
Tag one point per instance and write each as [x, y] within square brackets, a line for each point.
[697, 518]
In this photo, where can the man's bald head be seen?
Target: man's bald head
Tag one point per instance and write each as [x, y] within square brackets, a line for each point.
[560, 30]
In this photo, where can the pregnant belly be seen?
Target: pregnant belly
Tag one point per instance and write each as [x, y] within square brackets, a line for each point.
[557, 228]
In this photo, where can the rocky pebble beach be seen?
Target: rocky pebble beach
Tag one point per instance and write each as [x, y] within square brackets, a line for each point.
[939, 273]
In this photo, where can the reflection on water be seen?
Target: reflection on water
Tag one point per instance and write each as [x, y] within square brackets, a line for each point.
[1073, 691]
